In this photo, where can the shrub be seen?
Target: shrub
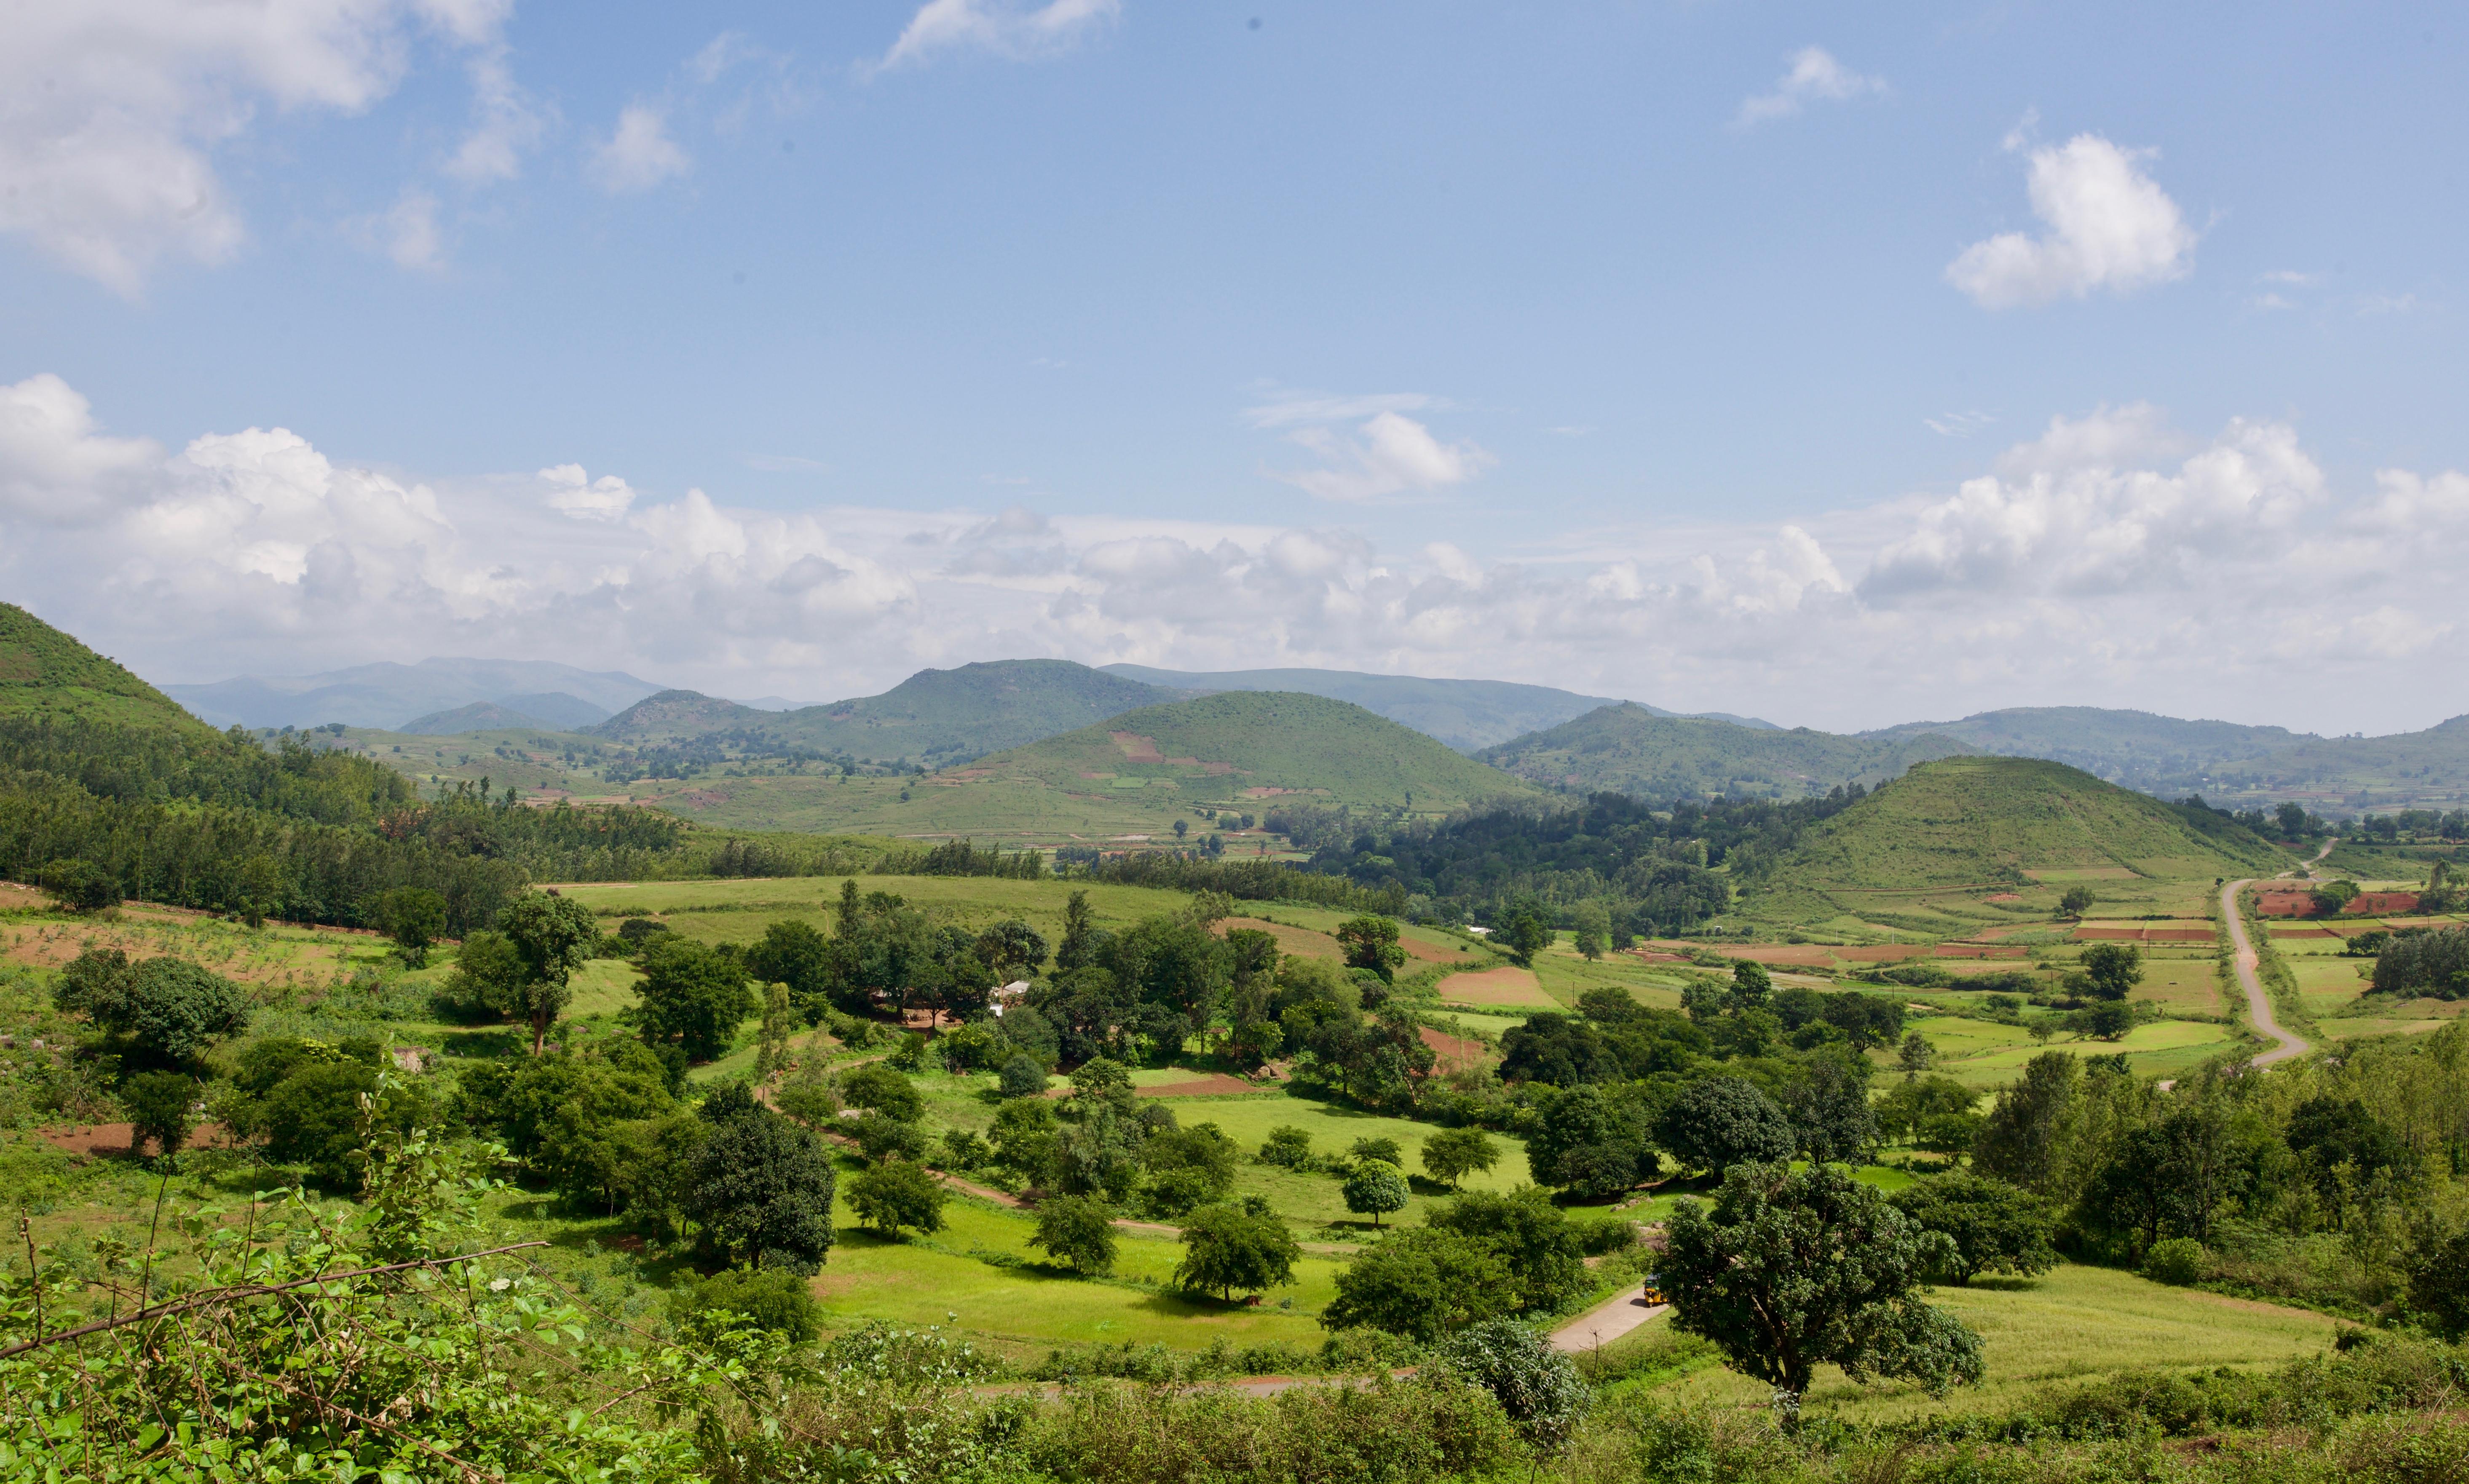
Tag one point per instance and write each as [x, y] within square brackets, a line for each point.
[1022, 1077]
[1538, 1386]
[1228, 1248]
[877, 1086]
[964, 1149]
[2177, 1261]
[1286, 1146]
[896, 1194]
[775, 1301]
[1375, 1188]
[881, 1138]
[80, 885]
[1421, 1283]
[169, 1010]
[158, 1104]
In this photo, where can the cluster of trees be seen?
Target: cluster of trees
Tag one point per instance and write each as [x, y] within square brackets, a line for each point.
[1244, 880]
[2329, 1181]
[1745, 1073]
[962, 857]
[1644, 868]
[2415, 962]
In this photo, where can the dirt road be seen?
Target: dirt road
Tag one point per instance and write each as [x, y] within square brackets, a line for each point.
[1605, 1322]
[2258, 1005]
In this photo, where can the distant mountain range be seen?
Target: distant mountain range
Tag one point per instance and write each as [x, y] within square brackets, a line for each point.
[1548, 738]
[1467, 715]
[392, 696]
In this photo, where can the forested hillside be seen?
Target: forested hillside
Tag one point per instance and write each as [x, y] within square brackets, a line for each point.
[1628, 749]
[44, 672]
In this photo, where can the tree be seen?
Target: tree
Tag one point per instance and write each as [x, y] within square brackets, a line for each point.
[877, 1086]
[1719, 1122]
[159, 1110]
[1451, 1154]
[1589, 1142]
[1286, 1146]
[79, 885]
[1371, 943]
[1994, 1226]
[1593, 925]
[880, 1138]
[1421, 1283]
[1076, 1230]
[1082, 937]
[775, 1302]
[1525, 933]
[794, 953]
[2293, 821]
[762, 1191]
[2107, 1021]
[1830, 1112]
[2077, 900]
[896, 1194]
[553, 936]
[2019, 1142]
[1024, 1139]
[1012, 949]
[1915, 1055]
[691, 995]
[1789, 1271]
[168, 1011]
[1022, 1077]
[1751, 983]
[1532, 1237]
[772, 1038]
[1227, 1249]
[1181, 827]
[488, 979]
[2438, 1285]
[1375, 1188]
[2115, 969]
[414, 916]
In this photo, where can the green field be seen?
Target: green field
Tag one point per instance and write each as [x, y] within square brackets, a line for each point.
[2074, 1323]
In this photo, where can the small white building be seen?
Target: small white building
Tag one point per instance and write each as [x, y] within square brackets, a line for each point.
[1011, 994]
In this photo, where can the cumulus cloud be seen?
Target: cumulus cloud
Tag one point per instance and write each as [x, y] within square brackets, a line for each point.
[407, 232]
[639, 155]
[110, 111]
[1389, 453]
[1810, 74]
[506, 123]
[2108, 226]
[2112, 559]
[1002, 27]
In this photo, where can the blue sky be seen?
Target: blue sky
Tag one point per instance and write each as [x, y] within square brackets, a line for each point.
[1843, 365]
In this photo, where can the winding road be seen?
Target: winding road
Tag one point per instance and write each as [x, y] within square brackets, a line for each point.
[2258, 1005]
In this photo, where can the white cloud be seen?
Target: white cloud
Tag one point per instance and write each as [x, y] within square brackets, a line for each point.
[110, 111]
[1291, 408]
[1811, 75]
[2110, 561]
[407, 232]
[1957, 424]
[639, 155]
[1003, 27]
[505, 123]
[2108, 226]
[1389, 453]
[573, 492]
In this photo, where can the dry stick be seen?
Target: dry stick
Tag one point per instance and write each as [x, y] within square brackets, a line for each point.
[33, 1270]
[234, 1295]
[146, 1279]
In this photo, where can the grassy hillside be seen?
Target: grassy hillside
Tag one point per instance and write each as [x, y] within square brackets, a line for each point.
[1936, 850]
[934, 717]
[2338, 775]
[481, 716]
[44, 672]
[1465, 713]
[1628, 749]
[1257, 745]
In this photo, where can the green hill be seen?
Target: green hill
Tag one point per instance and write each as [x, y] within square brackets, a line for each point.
[1929, 851]
[481, 716]
[1257, 745]
[1629, 749]
[44, 672]
[2338, 775]
[2137, 748]
[934, 717]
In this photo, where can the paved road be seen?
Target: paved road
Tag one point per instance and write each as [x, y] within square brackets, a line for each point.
[2258, 1005]
[1605, 1322]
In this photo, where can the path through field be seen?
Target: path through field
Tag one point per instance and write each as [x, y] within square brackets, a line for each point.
[2258, 1005]
[1606, 1321]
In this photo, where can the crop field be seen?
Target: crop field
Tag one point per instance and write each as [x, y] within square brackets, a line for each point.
[737, 911]
[1989, 1053]
[2073, 1323]
[1014, 811]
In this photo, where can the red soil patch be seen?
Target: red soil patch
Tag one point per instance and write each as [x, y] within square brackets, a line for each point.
[1138, 748]
[1504, 986]
[2109, 935]
[1432, 954]
[1807, 955]
[2284, 903]
[1455, 1052]
[2003, 895]
[2376, 903]
[2180, 935]
[1888, 954]
[113, 1138]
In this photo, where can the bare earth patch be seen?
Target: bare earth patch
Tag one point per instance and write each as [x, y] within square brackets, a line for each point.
[1507, 985]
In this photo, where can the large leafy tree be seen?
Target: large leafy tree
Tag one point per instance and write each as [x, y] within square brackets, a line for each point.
[1994, 1226]
[1375, 1188]
[1422, 1283]
[1371, 942]
[164, 1011]
[1078, 1230]
[414, 916]
[694, 995]
[794, 953]
[1790, 1270]
[895, 1194]
[762, 1190]
[1719, 1122]
[1590, 1141]
[1229, 1249]
[2112, 969]
[554, 936]
[1532, 1239]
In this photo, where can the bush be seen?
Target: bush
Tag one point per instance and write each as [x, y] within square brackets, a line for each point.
[896, 1194]
[158, 1104]
[169, 1010]
[881, 1138]
[1375, 1188]
[1601, 1238]
[877, 1086]
[80, 885]
[775, 1301]
[2177, 1261]
[1422, 1283]
[762, 1189]
[1022, 1077]
[1286, 1146]
[1538, 1386]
